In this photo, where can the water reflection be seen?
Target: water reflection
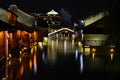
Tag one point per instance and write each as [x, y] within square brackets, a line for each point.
[81, 63]
[35, 64]
[30, 64]
[60, 57]
[64, 46]
[93, 56]
[76, 54]
[61, 47]
[111, 56]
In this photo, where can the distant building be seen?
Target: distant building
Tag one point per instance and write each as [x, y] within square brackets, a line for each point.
[95, 35]
[52, 18]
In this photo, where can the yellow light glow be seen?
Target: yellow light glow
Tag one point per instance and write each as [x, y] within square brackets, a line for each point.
[18, 33]
[79, 43]
[9, 63]
[32, 50]
[35, 35]
[10, 55]
[111, 56]
[20, 52]
[23, 50]
[45, 40]
[4, 78]
[30, 64]
[93, 49]
[111, 50]
[24, 47]
[87, 51]
[73, 36]
[40, 44]
[93, 55]
[35, 62]
[21, 70]
[20, 59]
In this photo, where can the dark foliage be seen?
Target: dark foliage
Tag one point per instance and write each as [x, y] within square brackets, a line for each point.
[65, 18]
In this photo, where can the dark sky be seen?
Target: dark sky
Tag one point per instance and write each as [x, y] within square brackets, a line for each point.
[77, 8]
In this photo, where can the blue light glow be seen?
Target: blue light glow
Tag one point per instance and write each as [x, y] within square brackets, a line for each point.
[81, 63]
[76, 54]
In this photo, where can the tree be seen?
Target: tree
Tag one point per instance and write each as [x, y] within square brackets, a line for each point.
[65, 18]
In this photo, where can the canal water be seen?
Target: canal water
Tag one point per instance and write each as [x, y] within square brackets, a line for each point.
[63, 59]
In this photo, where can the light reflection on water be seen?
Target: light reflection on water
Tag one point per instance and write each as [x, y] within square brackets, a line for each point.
[81, 63]
[63, 56]
[76, 54]
[61, 47]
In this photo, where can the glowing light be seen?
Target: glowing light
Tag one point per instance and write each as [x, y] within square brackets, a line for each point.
[32, 49]
[52, 12]
[64, 46]
[111, 56]
[4, 78]
[9, 63]
[35, 64]
[79, 43]
[87, 51]
[43, 56]
[76, 54]
[111, 50]
[93, 49]
[20, 59]
[35, 48]
[20, 52]
[93, 56]
[73, 36]
[30, 64]
[82, 21]
[81, 63]
[40, 44]
[10, 55]
[45, 41]
[21, 70]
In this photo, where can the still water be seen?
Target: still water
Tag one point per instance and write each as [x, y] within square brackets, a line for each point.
[63, 59]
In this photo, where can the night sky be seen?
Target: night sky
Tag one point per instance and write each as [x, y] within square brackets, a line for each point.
[76, 8]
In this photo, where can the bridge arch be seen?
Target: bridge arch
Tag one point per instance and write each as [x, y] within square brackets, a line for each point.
[61, 30]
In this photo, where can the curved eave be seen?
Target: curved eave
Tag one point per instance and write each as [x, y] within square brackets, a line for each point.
[92, 19]
[52, 12]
